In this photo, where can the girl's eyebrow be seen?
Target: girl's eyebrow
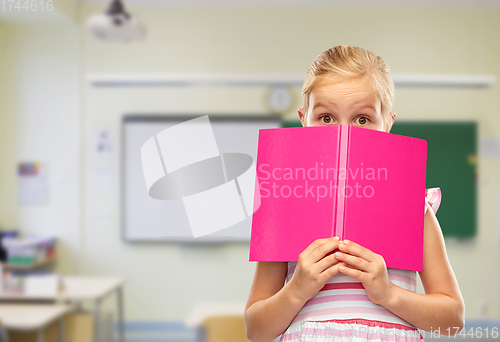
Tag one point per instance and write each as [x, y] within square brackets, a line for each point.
[361, 108]
[320, 104]
[369, 106]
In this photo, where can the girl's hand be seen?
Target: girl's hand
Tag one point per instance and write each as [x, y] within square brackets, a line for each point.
[313, 268]
[369, 268]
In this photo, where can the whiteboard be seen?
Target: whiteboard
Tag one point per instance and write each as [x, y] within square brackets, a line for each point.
[144, 218]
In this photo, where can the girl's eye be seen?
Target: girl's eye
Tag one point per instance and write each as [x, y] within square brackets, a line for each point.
[362, 120]
[326, 119]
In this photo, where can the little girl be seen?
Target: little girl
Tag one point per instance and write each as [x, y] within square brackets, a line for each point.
[351, 295]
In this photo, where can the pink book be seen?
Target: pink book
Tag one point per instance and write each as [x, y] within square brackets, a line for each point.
[359, 184]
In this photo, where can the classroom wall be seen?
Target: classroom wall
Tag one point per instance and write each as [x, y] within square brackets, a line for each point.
[2, 115]
[7, 205]
[40, 122]
[163, 279]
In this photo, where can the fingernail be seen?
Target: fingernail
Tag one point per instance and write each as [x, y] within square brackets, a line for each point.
[346, 241]
[338, 254]
[336, 238]
[341, 245]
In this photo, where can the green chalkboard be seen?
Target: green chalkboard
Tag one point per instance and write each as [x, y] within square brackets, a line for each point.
[451, 166]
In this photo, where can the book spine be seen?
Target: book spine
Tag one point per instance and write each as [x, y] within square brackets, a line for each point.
[341, 181]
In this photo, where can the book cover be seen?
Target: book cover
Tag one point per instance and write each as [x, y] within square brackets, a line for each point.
[362, 185]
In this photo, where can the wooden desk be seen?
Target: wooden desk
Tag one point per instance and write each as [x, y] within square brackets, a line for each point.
[79, 289]
[28, 317]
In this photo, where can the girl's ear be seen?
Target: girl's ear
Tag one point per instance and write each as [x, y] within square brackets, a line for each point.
[302, 117]
[390, 121]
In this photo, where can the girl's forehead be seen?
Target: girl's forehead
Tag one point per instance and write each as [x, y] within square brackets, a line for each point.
[344, 90]
[357, 84]
[351, 93]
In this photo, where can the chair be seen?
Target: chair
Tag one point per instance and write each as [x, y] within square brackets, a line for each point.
[224, 328]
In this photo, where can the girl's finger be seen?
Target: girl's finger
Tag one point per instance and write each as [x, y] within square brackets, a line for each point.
[315, 244]
[350, 266]
[321, 251]
[355, 261]
[353, 248]
[330, 272]
[351, 272]
[326, 262]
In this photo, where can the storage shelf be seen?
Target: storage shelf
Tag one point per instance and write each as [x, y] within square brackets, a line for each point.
[29, 267]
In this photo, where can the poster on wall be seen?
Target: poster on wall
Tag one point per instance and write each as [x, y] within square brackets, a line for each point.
[32, 180]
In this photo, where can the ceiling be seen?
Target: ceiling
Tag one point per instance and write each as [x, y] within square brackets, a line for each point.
[442, 4]
[30, 17]
[55, 17]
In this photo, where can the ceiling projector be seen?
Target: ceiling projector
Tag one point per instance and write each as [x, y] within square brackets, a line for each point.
[116, 25]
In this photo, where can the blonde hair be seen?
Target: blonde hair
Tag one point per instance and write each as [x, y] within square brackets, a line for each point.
[340, 63]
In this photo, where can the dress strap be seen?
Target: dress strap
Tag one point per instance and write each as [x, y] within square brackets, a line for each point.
[433, 198]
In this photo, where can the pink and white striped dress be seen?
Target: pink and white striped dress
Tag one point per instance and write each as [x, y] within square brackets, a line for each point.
[341, 310]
